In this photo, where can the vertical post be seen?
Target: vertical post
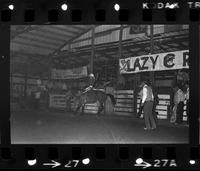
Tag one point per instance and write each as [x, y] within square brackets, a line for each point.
[120, 45]
[106, 71]
[25, 83]
[11, 85]
[151, 51]
[25, 86]
[92, 50]
[136, 83]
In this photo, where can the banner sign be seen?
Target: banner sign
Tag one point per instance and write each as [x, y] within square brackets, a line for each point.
[155, 62]
[74, 73]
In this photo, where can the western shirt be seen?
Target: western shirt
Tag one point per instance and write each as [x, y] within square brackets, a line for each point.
[179, 96]
[147, 93]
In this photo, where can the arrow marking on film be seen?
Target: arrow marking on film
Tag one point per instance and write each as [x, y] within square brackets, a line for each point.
[143, 164]
[54, 164]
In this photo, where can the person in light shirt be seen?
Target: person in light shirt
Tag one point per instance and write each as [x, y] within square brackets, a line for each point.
[180, 98]
[175, 102]
[147, 102]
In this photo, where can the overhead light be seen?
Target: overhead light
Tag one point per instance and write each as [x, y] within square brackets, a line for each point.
[116, 7]
[64, 7]
[11, 7]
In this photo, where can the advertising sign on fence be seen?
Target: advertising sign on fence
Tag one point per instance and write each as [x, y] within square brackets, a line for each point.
[155, 62]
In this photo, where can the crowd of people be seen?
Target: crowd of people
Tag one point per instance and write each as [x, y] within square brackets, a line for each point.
[149, 101]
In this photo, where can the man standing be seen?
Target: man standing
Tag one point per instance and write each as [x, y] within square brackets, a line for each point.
[37, 94]
[175, 104]
[155, 103]
[140, 106]
[147, 102]
[180, 102]
[187, 102]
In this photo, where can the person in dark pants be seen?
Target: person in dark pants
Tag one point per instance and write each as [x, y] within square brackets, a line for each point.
[180, 113]
[187, 102]
[140, 110]
[141, 107]
[37, 95]
[37, 100]
[155, 103]
[180, 99]
[147, 102]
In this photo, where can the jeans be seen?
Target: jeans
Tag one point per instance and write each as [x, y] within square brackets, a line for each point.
[179, 111]
[148, 116]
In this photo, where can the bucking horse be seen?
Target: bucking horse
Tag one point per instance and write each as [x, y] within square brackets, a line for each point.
[93, 96]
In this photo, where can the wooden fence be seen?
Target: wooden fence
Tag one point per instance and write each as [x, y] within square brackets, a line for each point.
[163, 107]
[124, 104]
[57, 101]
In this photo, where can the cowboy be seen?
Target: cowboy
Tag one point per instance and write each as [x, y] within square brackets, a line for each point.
[155, 103]
[147, 103]
[91, 81]
[187, 102]
[141, 107]
[180, 105]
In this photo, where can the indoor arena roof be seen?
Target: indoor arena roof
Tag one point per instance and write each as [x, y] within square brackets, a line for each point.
[44, 39]
[36, 48]
[34, 44]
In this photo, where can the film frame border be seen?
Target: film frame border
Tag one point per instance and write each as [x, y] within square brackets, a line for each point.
[29, 12]
[135, 16]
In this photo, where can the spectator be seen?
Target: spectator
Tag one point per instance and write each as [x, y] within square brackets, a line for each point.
[147, 102]
[155, 103]
[37, 98]
[180, 104]
[187, 102]
[175, 104]
[141, 107]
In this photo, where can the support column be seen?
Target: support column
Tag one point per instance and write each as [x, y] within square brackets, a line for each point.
[152, 75]
[92, 50]
[106, 70]
[11, 85]
[136, 84]
[25, 84]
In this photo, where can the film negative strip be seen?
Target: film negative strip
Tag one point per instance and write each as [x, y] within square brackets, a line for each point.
[95, 84]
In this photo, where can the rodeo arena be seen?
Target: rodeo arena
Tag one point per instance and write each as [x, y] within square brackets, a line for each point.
[99, 84]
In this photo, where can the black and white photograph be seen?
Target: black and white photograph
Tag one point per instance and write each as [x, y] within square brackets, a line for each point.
[99, 84]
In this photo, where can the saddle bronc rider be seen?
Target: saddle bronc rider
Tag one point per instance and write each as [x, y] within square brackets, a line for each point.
[91, 81]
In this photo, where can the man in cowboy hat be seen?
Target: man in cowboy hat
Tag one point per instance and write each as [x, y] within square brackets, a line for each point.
[187, 102]
[147, 103]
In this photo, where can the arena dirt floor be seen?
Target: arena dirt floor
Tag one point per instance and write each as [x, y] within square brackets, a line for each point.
[50, 127]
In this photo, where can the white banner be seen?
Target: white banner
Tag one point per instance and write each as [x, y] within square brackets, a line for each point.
[69, 73]
[155, 62]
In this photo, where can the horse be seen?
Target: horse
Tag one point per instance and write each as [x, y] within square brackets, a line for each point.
[93, 96]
